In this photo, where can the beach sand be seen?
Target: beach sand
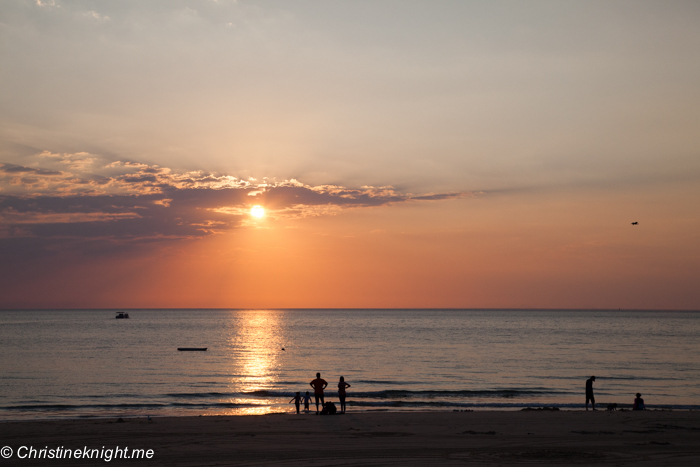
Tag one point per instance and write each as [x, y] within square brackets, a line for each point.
[483, 438]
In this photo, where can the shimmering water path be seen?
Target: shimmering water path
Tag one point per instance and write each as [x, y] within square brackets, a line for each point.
[86, 363]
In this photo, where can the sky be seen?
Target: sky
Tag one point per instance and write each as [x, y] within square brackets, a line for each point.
[407, 154]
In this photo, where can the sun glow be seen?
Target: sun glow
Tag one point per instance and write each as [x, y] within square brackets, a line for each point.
[257, 211]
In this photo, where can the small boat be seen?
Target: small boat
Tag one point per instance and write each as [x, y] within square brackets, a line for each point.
[192, 349]
[122, 315]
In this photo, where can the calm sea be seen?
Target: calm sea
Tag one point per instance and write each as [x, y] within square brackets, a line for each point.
[66, 364]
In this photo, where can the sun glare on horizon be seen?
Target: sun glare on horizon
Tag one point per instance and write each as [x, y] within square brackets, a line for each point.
[257, 211]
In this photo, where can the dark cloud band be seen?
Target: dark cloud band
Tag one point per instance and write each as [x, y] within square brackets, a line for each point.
[134, 202]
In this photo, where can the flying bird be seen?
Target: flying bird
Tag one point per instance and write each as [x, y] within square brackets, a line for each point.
[635, 223]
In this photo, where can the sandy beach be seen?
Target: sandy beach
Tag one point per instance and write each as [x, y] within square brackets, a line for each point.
[487, 438]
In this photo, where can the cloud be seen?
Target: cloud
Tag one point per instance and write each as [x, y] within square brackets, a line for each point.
[83, 197]
[92, 14]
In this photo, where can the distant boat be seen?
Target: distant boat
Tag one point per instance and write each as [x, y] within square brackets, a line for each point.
[192, 349]
[122, 315]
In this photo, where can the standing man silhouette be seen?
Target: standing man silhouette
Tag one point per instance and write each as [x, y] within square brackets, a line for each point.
[589, 392]
[319, 385]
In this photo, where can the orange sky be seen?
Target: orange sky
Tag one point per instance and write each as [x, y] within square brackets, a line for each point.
[475, 154]
[578, 251]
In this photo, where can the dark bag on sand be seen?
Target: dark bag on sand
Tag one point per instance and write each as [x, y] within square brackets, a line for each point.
[329, 409]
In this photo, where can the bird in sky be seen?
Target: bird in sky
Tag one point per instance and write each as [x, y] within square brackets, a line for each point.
[635, 223]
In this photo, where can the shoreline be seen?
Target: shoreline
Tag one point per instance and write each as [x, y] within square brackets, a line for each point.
[312, 412]
[488, 437]
[154, 416]
[550, 408]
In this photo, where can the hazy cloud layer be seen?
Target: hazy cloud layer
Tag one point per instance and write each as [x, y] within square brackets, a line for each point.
[489, 95]
[83, 197]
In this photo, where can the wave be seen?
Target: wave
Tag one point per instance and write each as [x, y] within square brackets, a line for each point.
[501, 405]
[603, 377]
[188, 395]
[386, 382]
[448, 404]
[395, 404]
[507, 393]
[638, 378]
[397, 399]
[67, 407]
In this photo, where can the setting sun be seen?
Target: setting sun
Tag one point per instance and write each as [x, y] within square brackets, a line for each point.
[257, 211]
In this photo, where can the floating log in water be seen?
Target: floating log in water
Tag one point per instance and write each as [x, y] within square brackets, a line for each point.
[192, 349]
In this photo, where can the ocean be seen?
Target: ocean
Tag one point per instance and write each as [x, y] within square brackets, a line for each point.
[86, 363]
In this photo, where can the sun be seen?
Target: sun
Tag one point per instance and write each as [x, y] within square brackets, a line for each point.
[257, 211]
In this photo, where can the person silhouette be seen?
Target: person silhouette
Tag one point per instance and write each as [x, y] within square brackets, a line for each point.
[319, 385]
[307, 401]
[638, 403]
[341, 393]
[297, 400]
[589, 392]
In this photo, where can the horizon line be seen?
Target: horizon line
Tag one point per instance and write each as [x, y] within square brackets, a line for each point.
[346, 309]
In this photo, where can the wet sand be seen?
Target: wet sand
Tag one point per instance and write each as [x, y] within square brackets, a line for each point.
[649, 438]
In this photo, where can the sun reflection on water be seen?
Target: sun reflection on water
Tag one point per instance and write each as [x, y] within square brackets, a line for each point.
[255, 340]
[262, 410]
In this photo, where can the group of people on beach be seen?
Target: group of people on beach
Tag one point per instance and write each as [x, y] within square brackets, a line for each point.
[320, 384]
[637, 405]
[327, 408]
